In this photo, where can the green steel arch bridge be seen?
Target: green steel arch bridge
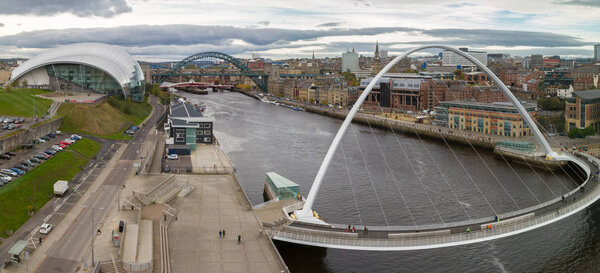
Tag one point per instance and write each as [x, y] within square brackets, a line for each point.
[260, 79]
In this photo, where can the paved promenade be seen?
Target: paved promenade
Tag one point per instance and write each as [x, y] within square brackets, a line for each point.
[216, 204]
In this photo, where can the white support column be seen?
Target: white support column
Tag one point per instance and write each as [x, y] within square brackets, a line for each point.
[305, 214]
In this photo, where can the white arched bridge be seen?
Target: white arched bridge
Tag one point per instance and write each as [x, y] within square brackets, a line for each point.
[301, 225]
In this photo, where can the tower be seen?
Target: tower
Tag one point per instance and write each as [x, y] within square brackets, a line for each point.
[377, 50]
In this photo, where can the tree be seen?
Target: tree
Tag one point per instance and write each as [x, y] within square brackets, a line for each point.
[458, 73]
[24, 83]
[324, 102]
[589, 131]
[575, 132]
[312, 100]
[350, 78]
[8, 88]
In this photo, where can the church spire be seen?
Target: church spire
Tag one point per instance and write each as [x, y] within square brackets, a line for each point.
[376, 49]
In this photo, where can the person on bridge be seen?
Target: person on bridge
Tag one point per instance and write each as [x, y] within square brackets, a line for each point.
[220, 234]
[348, 228]
[223, 233]
[468, 229]
[353, 229]
[239, 239]
[366, 231]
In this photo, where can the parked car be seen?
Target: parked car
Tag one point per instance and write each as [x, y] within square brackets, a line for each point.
[75, 137]
[70, 141]
[12, 153]
[18, 121]
[17, 126]
[46, 228]
[172, 157]
[28, 163]
[50, 152]
[65, 143]
[5, 156]
[11, 126]
[8, 177]
[16, 170]
[4, 180]
[40, 157]
[57, 148]
[5, 127]
[51, 135]
[40, 140]
[9, 172]
[35, 160]
[45, 138]
[22, 167]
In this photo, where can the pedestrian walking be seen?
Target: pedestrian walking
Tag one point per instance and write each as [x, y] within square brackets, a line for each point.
[468, 229]
[353, 229]
[220, 234]
[366, 231]
[239, 238]
[131, 207]
[223, 233]
[348, 228]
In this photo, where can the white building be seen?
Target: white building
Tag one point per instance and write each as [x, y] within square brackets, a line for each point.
[350, 61]
[452, 59]
[564, 93]
[597, 51]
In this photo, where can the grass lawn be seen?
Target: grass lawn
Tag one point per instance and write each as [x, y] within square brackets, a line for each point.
[107, 120]
[19, 102]
[86, 147]
[16, 198]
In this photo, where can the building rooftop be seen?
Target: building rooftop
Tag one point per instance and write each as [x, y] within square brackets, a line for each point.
[280, 181]
[588, 95]
[185, 110]
[493, 105]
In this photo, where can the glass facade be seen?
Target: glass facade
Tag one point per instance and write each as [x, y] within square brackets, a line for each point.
[86, 77]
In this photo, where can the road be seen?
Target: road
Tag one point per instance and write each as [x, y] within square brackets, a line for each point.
[66, 255]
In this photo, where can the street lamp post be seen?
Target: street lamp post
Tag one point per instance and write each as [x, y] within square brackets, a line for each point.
[92, 238]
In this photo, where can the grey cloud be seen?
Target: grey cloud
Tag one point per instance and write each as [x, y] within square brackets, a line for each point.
[102, 8]
[264, 23]
[176, 40]
[1, 24]
[330, 24]
[587, 3]
[143, 35]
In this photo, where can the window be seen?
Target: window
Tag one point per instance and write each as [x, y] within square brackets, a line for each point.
[207, 125]
[200, 125]
[180, 135]
[207, 132]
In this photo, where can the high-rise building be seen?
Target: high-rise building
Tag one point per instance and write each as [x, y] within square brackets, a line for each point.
[597, 51]
[383, 54]
[349, 61]
[449, 58]
[536, 61]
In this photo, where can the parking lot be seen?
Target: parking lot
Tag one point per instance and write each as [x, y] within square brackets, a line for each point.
[25, 154]
[10, 124]
[181, 165]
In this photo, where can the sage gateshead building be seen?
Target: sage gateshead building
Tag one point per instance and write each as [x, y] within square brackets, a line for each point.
[83, 67]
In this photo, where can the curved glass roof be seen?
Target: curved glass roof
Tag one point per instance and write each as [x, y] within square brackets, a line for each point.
[111, 59]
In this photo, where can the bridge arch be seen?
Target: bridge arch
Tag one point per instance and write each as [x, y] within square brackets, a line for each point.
[260, 82]
[306, 214]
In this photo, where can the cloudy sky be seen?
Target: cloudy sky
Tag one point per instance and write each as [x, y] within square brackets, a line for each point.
[156, 30]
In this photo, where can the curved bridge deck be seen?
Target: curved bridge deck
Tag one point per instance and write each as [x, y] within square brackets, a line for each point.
[452, 234]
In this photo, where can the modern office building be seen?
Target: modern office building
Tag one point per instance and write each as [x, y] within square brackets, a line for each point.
[187, 125]
[83, 67]
[597, 52]
[350, 61]
[582, 109]
[449, 58]
[497, 118]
